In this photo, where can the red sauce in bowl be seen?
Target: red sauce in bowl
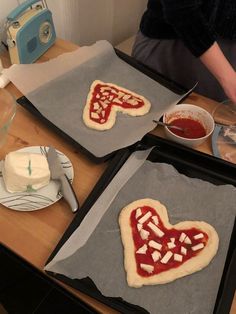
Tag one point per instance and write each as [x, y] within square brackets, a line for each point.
[191, 128]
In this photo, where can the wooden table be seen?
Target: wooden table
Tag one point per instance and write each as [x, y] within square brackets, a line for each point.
[34, 235]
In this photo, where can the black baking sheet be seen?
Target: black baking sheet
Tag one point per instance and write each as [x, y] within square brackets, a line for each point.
[188, 162]
[174, 87]
[25, 289]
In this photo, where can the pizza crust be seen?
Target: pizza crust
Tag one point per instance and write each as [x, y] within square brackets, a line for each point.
[112, 117]
[195, 264]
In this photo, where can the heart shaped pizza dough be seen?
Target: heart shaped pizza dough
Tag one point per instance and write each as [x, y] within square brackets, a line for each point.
[156, 252]
[105, 100]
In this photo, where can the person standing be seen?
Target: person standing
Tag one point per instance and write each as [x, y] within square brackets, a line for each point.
[191, 41]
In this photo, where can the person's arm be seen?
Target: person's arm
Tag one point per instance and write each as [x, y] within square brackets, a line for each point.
[215, 61]
[190, 24]
[199, 37]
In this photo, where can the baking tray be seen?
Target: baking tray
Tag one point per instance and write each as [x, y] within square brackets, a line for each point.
[25, 289]
[23, 101]
[187, 161]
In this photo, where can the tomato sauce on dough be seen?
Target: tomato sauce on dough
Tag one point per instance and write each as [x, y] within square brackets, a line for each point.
[168, 233]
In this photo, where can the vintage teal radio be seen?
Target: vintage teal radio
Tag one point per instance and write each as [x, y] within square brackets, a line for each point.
[30, 31]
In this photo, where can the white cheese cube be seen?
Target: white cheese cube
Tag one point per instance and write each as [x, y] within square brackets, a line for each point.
[156, 256]
[132, 102]
[94, 115]
[183, 250]
[99, 110]
[138, 213]
[198, 247]
[120, 94]
[172, 240]
[139, 227]
[103, 89]
[156, 230]
[155, 220]
[142, 250]
[155, 245]
[165, 259]
[171, 245]
[144, 234]
[104, 104]
[198, 236]
[187, 240]
[178, 257]
[25, 171]
[118, 101]
[145, 217]
[148, 268]
[182, 237]
[126, 97]
[96, 106]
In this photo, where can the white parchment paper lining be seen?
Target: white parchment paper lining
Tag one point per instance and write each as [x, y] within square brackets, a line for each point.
[59, 88]
[99, 253]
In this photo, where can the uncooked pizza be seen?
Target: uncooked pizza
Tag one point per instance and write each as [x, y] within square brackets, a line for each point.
[105, 100]
[156, 252]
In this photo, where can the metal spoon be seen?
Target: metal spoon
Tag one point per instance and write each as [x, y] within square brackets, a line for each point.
[169, 125]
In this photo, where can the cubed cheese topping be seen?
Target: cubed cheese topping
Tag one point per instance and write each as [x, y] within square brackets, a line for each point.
[147, 268]
[155, 245]
[142, 249]
[145, 217]
[120, 94]
[155, 220]
[198, 247]
[182, 237]
[118, 101]
[155, 229]
[187, 240]
[165, 259]
[139, 227]
[96, 106]
[183, 250]
[126, 97]
[94, 115]
[171, 245]
[198, 236]
[144, 234]
[178, 257]
[156, 256]
[138, 213]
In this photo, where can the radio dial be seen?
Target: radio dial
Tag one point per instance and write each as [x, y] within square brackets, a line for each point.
[45, 32]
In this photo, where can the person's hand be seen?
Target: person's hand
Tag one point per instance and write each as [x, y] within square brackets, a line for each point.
[229, 86]
[220, 67]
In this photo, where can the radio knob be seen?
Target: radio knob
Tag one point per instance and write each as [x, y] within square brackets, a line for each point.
[16, 24]
[38, 7]
[45, 32]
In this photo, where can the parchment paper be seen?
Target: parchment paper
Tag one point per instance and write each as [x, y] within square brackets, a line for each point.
[59, 89]
[101, 257]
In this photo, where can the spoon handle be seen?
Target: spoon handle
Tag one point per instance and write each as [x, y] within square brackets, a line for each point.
[168, 125]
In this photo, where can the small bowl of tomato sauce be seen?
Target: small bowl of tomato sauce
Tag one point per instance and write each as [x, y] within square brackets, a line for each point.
[195, 124]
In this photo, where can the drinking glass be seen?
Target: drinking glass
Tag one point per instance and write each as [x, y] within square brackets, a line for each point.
[225, 113]
[7, 113]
